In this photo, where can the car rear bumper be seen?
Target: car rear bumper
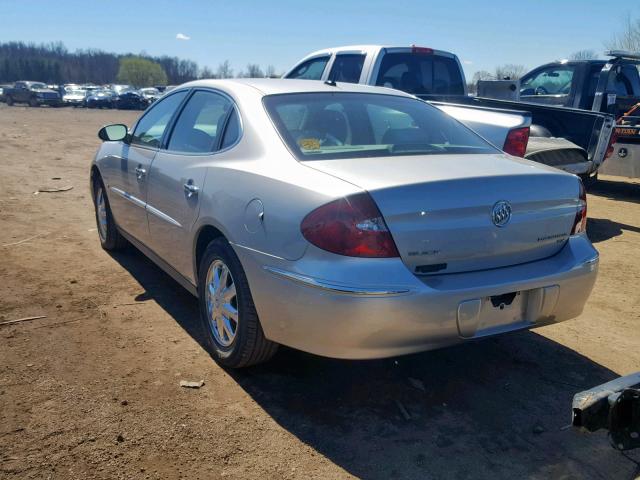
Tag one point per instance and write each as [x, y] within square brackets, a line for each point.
[367, 320]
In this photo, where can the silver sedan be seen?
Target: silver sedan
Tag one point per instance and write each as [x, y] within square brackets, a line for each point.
[343, 220]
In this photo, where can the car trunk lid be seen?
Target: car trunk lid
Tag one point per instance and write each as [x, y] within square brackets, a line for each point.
[445, 212]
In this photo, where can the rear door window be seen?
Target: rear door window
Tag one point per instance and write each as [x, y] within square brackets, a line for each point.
[421, 74]
[311, 69]
[200, 124]
[347, 68]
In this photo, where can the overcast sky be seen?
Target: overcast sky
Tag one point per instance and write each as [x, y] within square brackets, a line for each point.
[279, 32]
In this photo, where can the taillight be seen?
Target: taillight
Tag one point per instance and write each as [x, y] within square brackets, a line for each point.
[351, 226]
[580, 222]
[516, 142]
[612, 140]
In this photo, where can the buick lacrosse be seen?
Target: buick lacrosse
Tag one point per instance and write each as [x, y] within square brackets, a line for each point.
[347, 221]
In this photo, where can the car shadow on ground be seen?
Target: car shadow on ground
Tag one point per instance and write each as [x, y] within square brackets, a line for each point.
[601, 229]
[625, 191]
[499, 408]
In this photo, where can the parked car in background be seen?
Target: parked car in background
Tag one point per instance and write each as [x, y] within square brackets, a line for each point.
[572, 140]
[74, 95]
[100, 99]
[150, 94]
[4, 87]
[344, 220]
[130, 100]
[33, 93]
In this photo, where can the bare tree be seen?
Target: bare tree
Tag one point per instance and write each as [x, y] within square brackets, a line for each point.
[270, 72]
[253, 71]
[587, 54]
[206, 72]
[509, 71]
[629, 37]
[224, 70]
[472, 87]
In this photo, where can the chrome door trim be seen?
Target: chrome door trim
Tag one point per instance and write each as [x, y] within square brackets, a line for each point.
[163, 216]
[135, 200]
[341, 289]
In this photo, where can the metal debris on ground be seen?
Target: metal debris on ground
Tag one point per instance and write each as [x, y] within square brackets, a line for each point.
[189, 384]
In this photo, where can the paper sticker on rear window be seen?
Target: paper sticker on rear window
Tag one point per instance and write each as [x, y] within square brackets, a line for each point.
[309, 143]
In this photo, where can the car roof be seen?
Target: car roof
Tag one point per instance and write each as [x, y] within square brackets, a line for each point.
[274, 86]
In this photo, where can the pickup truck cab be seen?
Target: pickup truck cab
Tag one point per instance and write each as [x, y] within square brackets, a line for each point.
[33, 93]
[611, 86]
[573, 140]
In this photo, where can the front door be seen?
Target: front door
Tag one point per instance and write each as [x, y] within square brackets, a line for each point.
[177, 176]
[128, 187]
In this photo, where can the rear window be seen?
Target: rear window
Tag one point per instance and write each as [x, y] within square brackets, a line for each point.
[325, 126]
[421, 74]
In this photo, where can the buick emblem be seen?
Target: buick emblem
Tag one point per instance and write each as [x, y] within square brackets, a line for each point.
[501, 213]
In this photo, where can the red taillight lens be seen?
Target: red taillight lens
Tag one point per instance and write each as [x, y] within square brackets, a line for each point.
[580, 222]
[351, 226]
[516, 142]
[612, 140]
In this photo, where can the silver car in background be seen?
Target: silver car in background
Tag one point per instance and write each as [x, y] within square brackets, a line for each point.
[344, 220]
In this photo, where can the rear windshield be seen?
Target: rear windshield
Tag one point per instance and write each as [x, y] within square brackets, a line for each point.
[325, 126]
[421, 74]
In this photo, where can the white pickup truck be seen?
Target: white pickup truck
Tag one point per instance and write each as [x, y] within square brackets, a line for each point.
[573, 140]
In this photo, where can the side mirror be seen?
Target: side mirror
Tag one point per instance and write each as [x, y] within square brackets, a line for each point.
[113, 133]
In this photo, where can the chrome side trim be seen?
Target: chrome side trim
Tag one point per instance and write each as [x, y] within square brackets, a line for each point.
[131, 198]
[163, 216]
[342, 289]
[256, 251]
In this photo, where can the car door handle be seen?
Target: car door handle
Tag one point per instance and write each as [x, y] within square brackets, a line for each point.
[140, 172]
[191, 189]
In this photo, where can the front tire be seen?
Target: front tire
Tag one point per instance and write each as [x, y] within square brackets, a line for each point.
[110, 238]
[33, 102]
[9, 101]
[228, 316]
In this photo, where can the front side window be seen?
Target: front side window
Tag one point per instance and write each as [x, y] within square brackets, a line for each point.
[200, 123]
[151, 127]
[549, 81]
[347, 68]
[421, 74]
[327, 126]
[311, 69]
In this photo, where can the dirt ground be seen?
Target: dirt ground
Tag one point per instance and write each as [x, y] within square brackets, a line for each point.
[92, 390]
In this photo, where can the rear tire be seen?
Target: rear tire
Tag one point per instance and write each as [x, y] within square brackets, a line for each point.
[589, 180]
[110, 237]
[223, 293]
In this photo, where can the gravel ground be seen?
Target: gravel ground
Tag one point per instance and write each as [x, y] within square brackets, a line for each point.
[92, 390]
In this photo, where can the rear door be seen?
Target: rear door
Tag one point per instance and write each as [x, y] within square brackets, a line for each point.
[178, 174]
[128, 184]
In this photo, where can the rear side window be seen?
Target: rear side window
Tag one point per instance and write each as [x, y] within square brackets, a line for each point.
[548, 81]
[200, 123]
[151, 127]
[328, 126]
[347, 68]
[421, 74]
[232, 130]
[311, 69]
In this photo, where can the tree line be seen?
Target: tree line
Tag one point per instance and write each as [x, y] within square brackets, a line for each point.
[53, 63]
